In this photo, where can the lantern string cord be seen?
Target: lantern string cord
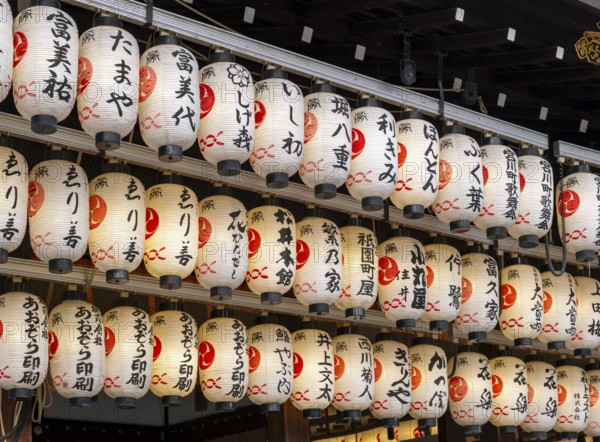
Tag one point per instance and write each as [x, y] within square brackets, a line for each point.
[206, 17]
[24, 412]
[42, 394]
[90, 280]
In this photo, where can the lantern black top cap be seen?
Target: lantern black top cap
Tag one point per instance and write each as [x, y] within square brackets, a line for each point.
[347, 330]
[368, 102]
[266, 319]
[581, 168]
[566, 361]
[57, 154]
[322, 87]
[416, 115]
[217, 56]
[517, 260]
[273, 72]
[534, 357]
[528, 151]
[492, 139]
[422, 340]
[221, 313]
[166, 39]
[107, 20]
[51, 3]
[475, 248]
[438, 239]
[115, 167]
[73, 295]
[467, 348]
[454, 129]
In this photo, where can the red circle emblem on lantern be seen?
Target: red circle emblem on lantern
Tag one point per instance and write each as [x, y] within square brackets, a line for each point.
[52, 344]
[530, 393]
[207, 100]
[1, 329]
[497, 385]
[378, 369]
[358, 142]
[98, 211]
[415, 378]
[457, 388]
[253, 242]
[562, 394]
[259, 113]
[206, 355]
[521, 182]
[445, 173]
[430, 276]
[109, 340]
[298, 365]
[204, 231]
[36, 197]
[547, 302]
[509, 296]
[467, 290]
[302, 253]
[388, 270]
[156, 348]
[85, 69]
[338, 367]
[147, 82]
[417, 433]
[402, 153]
[20, 45]
[568, 203]
[253, 358]
[486, 175]
[151, 222]
[593, 395]
[310, 126]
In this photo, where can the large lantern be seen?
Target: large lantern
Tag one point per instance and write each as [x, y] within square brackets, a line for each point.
[536, 197]
[460, 195]
[223, 359]
[227, 119]
[542, 398]
[573, 399]
[418, 167]
[44, 65]
[509, 391]
[76, 348]
[117, 211]
[279, 111]
[593, 426]
[170, 249]
[222, 243]
[587, 335]
[169, 106]
[58, 211]
[560, 310]
[374, 165]
[13, 204]
[6, 51]
[327, 143]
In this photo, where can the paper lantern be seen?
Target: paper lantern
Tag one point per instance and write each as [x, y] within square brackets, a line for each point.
[460, 194]
[129, 351]
[313, 354]
[444, 283]
[117, 211]
[560, 310]
[175, 354]
[470, 389]
[58, 211]
[170, 250]
[227, 113]
[542, 398]
[169, 105]
[359, 280]
[573, 399]
[593, 426]
[278, 110]
[418, 167]
[327, 143]
[13, 205]
[408, 430]
[509, 392]
[6, 49]
[354, 382]
[223, 359]
[23, 341]
[587, 335]
[500, 189]
[372, 435]
[374, 165]
[222, 244]
[391, 400]
[76, 348]
[522, 303]
[536, 204]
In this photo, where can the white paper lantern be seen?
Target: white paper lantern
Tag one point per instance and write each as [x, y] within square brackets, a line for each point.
[76, 348]
[44, 65]
[222, 244]
[223, 359]
[587, 335]
[509, 391]
[573, 399]
[169, 105]
[327, 143]
[418, 166]
[13, 204]
[560, 310]
[170, 250]
[278, 111]
[593, 426]
[542, 398]
[58, 211]
[536, 204]
[6, 49]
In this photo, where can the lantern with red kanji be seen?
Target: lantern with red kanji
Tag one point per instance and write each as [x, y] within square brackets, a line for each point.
[13, 196]
[593, 426]
[560, 310]
[509, 392]
[7, 50]
[573, 399]
[587, 335]
[542, 398]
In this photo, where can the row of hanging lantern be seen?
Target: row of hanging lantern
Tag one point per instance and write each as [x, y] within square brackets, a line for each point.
[406, 430]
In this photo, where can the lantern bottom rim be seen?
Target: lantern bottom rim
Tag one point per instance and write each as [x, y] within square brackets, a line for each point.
[108, 141]
[556, 345]
[325, 191]
[414, 211]
[170, 153]
[460, 226]
[528, 241]
[429, 422]
[229, 167]
[225, 406]
[523, 342]
[220, 293]
[277, 180]
[19, 394]
[44, 124]
[536, 435]
[3, 256]
[126, 403]
[406, 323]
[312, 413]
[389, 422]
[508, 429]
[477, 336]
[586, 256]
[171, 401]
[270, 408]
[170, 282]
[496, 233]
[117, 276]
[568, 435]
[319, 308]
[60, 266]
[582, 352]
[79, 402]
[472, 430]
[351, 415]
[270, 298]
[355, 312]
[438, 325]
[372, 203]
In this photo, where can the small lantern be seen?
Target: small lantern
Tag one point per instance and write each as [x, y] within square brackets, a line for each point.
[573, 399]
[13, 204]
[542, 398]
[509, 391]
[6, 49]
[560, 310]
[587, 335]
[593, 426]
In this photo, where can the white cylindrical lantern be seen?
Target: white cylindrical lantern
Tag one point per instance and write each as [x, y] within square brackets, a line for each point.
[593, 426]
[170, 249]
[560, 310]
[354, 382]
[587, 334]
[522, 303]
[58, 211]
[227, 117]
[374, 165]
[223, 359]
[542, 398]
[76, 348]
[573, 399]
[6, 50]
[327, 143]
[460, 194]
[222, 244]
[509, 391]
[278, 111]
[418, 166]
[536, 199]
[169, 105]
[13, 204]
[117, 227]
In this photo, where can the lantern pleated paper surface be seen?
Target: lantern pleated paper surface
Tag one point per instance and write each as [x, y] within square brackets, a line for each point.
[278, 111]
[418, 167]
[311, 392]
[270, 363]
[500, 189]
[560, 310]
[222, 244]
[271, 250]
[108, 82]
[13, 204]
[470, 389]
[460, 194]
[117, 227]
[175, 354]
[522, 303]
[6, 49]
[374, 165]
[587, 335]
[23, 341]
[44, 65]
[227, 119]
[327, 143]
[536, 199]
[76, 348]
[129, 351]
[509, 392]
[170, 250]
[444, 283]
[359, 280]
[58, 211]
[573, 399]
[542, 398]
[354, 383]
[169, 106]
[593, 426]
[318, 280]
[223, 359]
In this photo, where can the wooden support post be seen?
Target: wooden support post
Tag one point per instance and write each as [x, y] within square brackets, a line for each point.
[288, 426]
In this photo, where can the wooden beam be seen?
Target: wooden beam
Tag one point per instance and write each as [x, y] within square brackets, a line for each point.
[511, 58]
[547, 76]
[461, 42]
[426, 20]
[332, 52]
[569, 91]
[327, 7]
[280, 35]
